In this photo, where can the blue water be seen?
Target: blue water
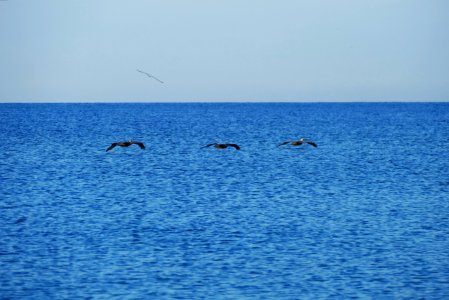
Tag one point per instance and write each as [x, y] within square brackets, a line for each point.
[364, 215]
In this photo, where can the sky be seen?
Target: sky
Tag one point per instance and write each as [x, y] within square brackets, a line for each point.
[228, 50]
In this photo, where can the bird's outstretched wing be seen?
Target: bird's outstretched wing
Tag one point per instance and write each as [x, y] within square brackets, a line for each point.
[149, 75]
[111, 147]
[284, 143]
[208, 145]
[143, 72]
[312, 143]
[140, 144]
[234, 145]
[156, 78]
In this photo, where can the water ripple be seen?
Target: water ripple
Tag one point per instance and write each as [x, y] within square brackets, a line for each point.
[364, 215]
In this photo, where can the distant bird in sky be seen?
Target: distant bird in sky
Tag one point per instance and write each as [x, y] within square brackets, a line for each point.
[149, 75]
[126, 144]
[222, 146]
[299, 143]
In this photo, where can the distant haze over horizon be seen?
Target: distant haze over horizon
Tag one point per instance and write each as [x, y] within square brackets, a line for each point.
[224, 51]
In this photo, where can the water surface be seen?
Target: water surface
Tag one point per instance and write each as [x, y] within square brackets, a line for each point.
[364, 215]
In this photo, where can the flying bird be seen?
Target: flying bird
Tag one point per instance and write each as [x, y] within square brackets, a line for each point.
[126, 144]
[149, 75]
[299, 142]
[222, 146]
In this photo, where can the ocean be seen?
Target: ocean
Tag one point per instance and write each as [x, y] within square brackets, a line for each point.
[363, 215]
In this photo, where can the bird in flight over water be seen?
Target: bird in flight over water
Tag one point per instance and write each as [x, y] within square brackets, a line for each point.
[222, 146]
[149, 75]
[126, 144]
[299, 142]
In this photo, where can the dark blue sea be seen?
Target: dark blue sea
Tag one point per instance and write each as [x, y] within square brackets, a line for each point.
[363, 215]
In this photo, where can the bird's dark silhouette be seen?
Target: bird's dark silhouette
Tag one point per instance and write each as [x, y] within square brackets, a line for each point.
[126, 144]
[223, 146]
[151, 76]
[299, 142]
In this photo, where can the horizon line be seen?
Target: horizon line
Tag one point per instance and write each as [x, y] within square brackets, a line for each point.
[222, 102]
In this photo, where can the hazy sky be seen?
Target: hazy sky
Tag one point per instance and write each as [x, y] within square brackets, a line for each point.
[228, 50]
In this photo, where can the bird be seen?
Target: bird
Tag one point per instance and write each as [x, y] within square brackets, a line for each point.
[299, 142]
[223, 146]
[149, 75]
[126, 144]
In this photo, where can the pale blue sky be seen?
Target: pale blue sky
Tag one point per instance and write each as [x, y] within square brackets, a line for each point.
[206, 50]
